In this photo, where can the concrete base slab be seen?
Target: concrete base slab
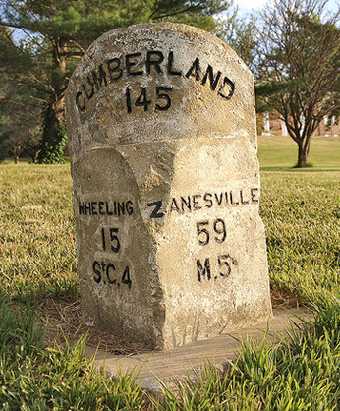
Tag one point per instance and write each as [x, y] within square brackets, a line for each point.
[152, 367]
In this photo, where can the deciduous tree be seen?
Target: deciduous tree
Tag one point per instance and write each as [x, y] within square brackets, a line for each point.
[299, 50]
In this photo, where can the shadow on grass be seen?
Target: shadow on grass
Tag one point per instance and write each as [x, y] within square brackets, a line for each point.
[36, 294]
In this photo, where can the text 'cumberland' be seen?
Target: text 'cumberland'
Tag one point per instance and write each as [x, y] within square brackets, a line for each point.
[146, 63]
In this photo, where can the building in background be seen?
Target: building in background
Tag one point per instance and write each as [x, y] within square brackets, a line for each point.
[269, 123]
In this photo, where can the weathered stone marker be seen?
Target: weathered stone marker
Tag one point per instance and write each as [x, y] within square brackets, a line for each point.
[171, 247]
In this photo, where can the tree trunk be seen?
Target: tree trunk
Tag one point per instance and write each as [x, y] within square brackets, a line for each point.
[54, 136]
[302, 156]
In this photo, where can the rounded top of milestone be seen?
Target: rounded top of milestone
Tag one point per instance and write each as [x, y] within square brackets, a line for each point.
[177, 80]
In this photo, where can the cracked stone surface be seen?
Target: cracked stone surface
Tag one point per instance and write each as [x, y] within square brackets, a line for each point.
[171, 248]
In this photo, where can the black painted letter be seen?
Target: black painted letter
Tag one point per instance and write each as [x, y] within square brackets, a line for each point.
[212, 80]
[204, 270]
[131, 62]
[171, 69]
[194, 70]
[230, 84]
[154, 58]
[114, 69]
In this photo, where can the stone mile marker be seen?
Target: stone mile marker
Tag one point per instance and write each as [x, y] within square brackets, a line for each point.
[171, 248]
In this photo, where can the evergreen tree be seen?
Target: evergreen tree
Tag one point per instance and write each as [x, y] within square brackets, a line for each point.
[18, 125]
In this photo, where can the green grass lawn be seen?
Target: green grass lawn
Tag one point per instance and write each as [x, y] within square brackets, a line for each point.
[279, 153]
[301, 212]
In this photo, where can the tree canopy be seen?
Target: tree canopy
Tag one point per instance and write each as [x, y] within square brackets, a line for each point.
[292, 47]
[299, 54]
[56, 36]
